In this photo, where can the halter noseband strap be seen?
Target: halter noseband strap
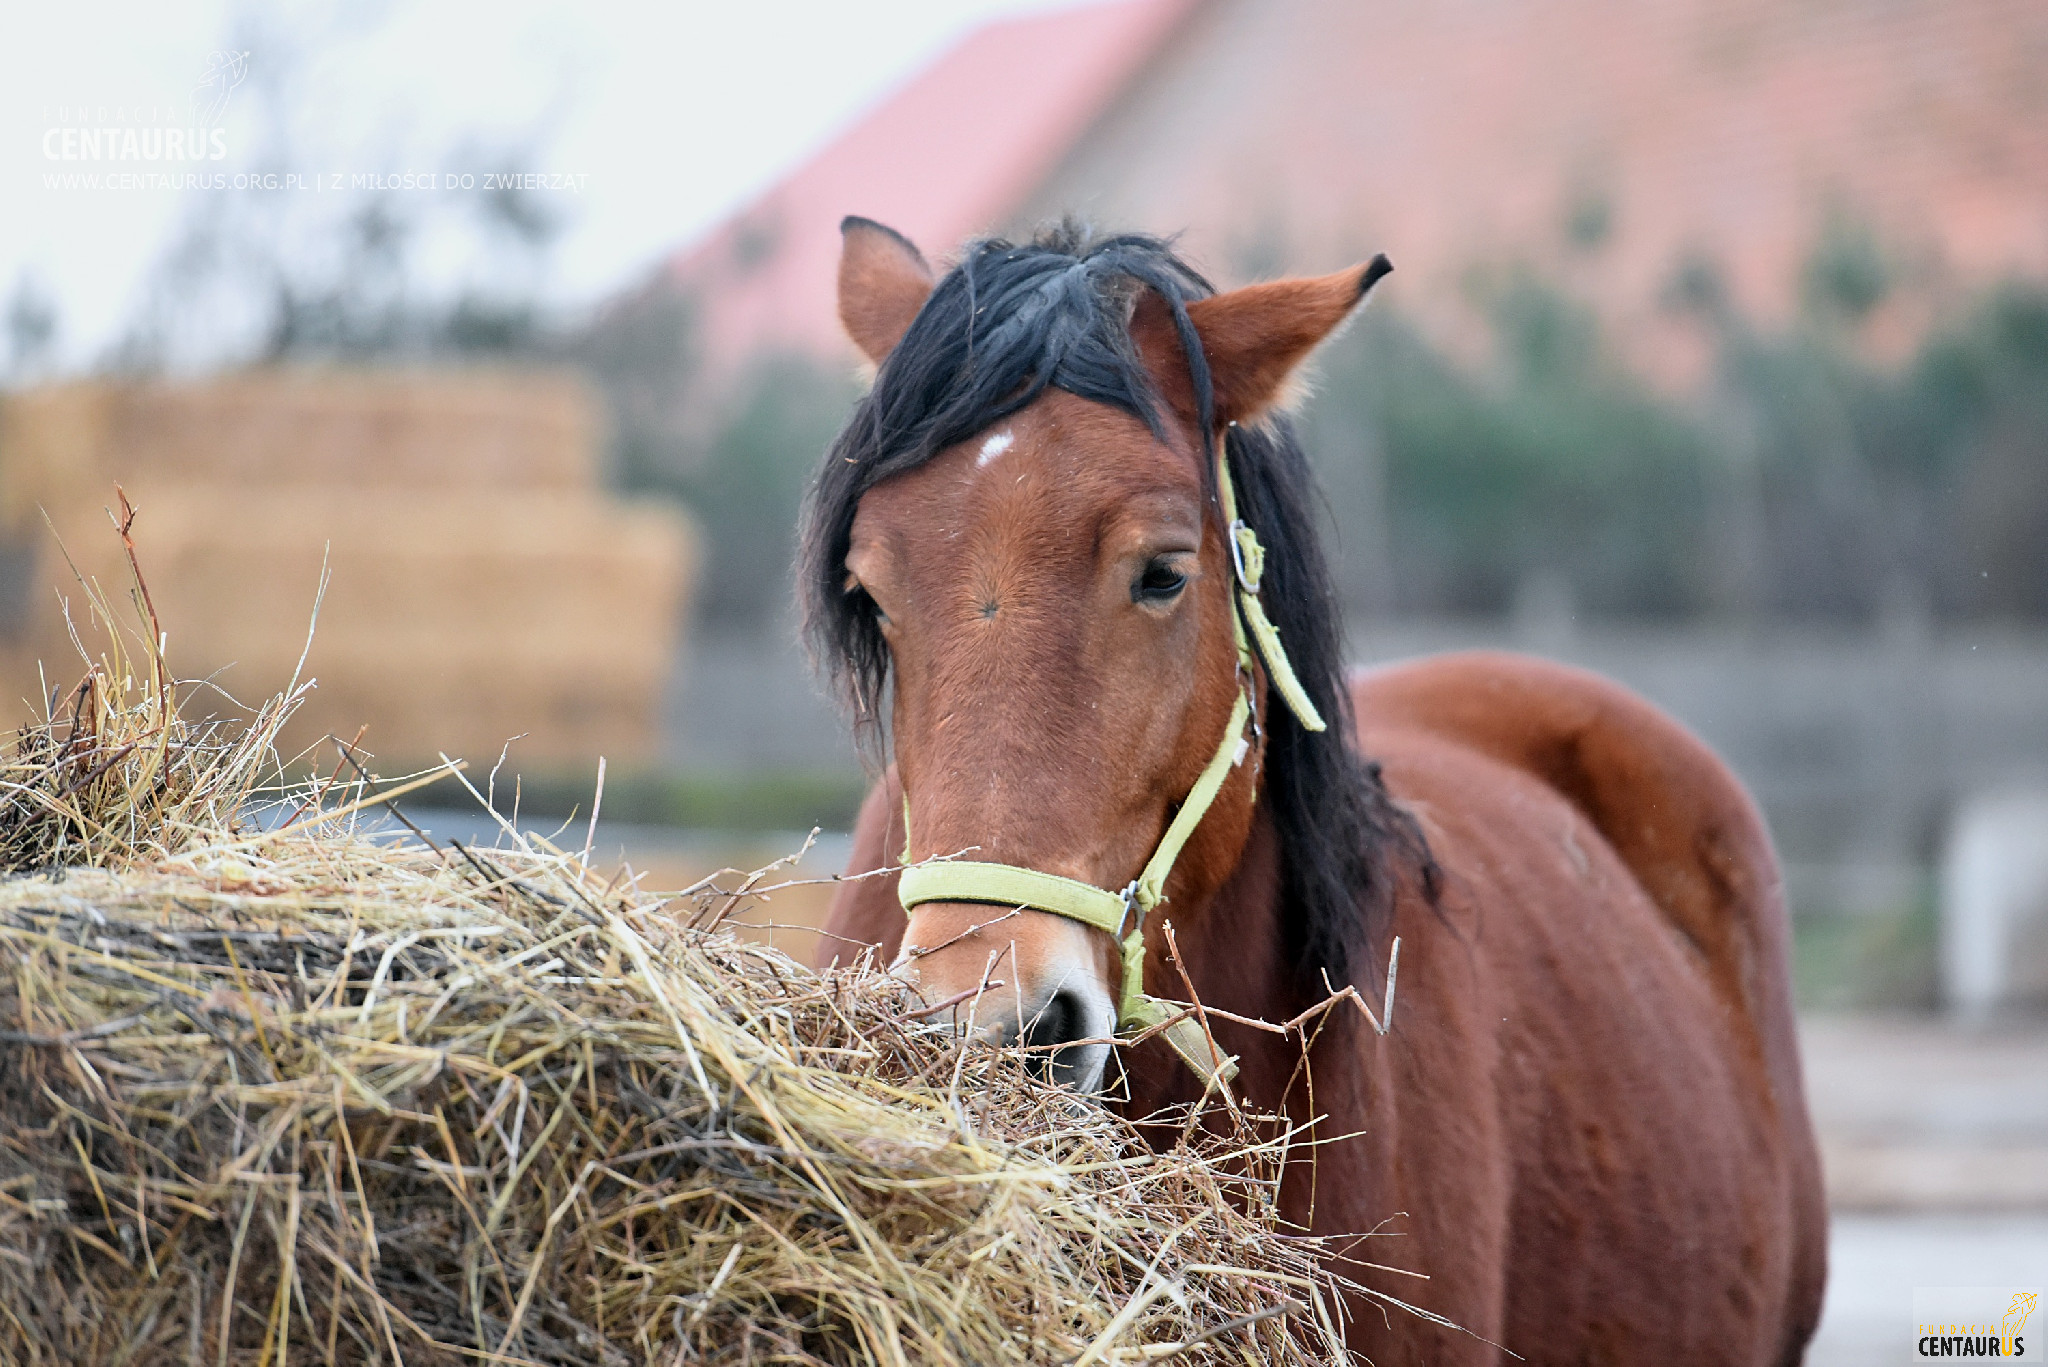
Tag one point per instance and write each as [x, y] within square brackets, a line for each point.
[1122, 915]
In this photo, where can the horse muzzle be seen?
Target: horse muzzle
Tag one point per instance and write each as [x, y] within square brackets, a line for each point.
[1016, 977]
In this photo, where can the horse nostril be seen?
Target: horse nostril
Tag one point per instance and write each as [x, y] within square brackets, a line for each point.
[1062, 1020]
[1057, 1025]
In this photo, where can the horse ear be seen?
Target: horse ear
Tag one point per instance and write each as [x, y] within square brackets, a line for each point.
[883, 281]
[1256, 336]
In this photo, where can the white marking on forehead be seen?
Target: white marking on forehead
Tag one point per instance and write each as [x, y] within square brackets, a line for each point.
[995, 446]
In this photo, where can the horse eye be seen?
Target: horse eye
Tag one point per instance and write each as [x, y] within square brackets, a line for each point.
[858, 592]
[1160, 583]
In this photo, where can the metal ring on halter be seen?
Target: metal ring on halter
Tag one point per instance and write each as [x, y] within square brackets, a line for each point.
[1130, 896]
[1244, 579]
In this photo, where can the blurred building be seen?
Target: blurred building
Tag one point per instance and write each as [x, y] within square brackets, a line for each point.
[1642, 149]
[483, 583]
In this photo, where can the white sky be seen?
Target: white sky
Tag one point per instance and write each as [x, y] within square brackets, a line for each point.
[671, 114]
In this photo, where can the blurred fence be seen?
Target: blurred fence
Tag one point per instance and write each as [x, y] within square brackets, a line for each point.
[1858, 742]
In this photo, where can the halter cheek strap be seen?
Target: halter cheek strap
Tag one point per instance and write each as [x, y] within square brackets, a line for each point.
[1122, 915]
[1248, 561]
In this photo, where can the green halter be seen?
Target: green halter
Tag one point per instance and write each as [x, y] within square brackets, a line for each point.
[1121, 915]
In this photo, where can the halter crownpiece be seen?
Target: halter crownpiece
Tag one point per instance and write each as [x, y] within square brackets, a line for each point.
[1121, 915]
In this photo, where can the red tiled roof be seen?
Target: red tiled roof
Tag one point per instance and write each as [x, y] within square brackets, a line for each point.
[949, 155]
[1303, 134]
[1300, 134]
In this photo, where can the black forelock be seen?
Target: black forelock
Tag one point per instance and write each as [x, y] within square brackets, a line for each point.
[996, 331]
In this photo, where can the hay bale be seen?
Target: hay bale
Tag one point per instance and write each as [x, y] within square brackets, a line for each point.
[447, 625]
[291, 1090]
[484, 584]
[445, 431]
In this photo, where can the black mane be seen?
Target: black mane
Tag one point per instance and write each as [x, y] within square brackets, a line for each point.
[998, 329]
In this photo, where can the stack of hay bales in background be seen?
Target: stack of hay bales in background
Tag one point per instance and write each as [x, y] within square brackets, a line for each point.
[484, 584]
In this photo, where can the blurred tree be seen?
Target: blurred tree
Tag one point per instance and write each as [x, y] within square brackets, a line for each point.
[387, 259]
[1806, 481]
[31, 328]
[749, 485]
[1931, 478]
[1554, 462]
[1982, 394]
[1847, 274]
[1589, 219]
[740, 453]
[641, 351]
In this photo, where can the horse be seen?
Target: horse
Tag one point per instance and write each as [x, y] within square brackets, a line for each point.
[1071, 527]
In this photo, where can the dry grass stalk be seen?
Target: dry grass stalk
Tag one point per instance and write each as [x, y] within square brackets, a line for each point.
[318, 1094]
[113, 770]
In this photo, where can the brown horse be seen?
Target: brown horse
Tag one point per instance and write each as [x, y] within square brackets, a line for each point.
[1587, 1117]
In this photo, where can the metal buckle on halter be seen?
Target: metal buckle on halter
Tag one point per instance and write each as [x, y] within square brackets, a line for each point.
[1130, 896]
[1248, 684]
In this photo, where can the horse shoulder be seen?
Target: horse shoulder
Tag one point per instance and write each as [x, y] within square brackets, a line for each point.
[864, 910]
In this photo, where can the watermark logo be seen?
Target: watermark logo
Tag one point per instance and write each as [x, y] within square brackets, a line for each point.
[145, 132]
[224, 71]
[168, 137]
[1977, 1322]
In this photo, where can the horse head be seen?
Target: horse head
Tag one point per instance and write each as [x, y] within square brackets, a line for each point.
[1043, 527]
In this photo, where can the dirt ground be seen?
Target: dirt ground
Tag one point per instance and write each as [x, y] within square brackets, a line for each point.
[1919, 1115]
[1935, 1140]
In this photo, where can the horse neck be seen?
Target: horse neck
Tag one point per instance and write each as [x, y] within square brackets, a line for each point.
[1235, 953]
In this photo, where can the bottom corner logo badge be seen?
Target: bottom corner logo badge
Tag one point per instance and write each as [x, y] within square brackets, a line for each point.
[1978, 1322]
